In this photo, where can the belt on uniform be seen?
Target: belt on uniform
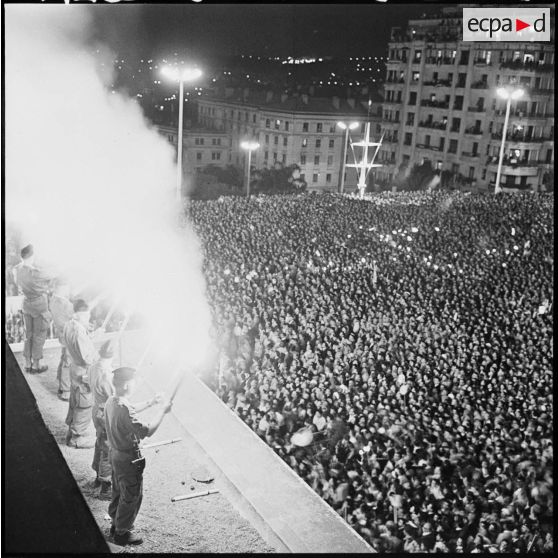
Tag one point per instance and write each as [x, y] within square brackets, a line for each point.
[131, 453]
[33, 299]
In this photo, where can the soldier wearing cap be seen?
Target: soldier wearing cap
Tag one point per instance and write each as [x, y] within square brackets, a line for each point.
[33, 283]
[124, 432]
[102, 389]
[82, 354]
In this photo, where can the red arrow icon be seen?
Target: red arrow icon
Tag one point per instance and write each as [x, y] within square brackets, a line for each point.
[519, 25]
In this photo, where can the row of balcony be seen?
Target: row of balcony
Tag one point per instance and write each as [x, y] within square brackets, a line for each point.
[521, 138]
[523, 114]
[514, 162]
[451, 61]
[437, 37]
[527, 66]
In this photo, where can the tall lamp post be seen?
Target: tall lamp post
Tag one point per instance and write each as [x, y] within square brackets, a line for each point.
[345, 127]
[249, 146]
[181, 75]
[509, 94]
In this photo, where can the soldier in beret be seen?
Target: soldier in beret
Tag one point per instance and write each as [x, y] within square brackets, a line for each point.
[33, 284]
[82, 354]
[124, 432]
[100, 380]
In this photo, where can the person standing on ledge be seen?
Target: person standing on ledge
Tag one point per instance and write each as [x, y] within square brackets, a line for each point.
[82, 355]
[62, 311]
[33, 283]
[124, 432]
[102, 389]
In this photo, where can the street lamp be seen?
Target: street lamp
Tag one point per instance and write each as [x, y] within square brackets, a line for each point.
[508, 94]
[249, 146]
[345, 127]
[181, 75]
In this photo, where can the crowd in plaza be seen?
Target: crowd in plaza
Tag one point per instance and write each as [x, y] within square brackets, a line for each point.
[396, 353]
[406, 343]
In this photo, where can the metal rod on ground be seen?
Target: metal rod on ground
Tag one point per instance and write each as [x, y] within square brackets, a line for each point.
[194, 495]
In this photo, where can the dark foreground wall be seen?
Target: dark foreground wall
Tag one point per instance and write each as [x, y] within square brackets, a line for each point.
[44, 511]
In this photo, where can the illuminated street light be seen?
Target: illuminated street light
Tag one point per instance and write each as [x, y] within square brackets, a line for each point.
[249, 146]
[508, 94]
[345, 127]
[182, 75]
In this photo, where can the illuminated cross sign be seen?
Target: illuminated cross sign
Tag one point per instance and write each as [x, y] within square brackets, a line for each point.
[363, 167]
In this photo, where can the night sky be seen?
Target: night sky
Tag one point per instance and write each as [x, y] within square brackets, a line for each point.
[199, 30]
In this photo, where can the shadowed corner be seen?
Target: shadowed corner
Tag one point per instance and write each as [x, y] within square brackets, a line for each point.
[47, 512]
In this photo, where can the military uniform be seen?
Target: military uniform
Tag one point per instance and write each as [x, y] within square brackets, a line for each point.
[102, 389]
[34, 285]
[62, 311]
[124, 432]
[82, 355]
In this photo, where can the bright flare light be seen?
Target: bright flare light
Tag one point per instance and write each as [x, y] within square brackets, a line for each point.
[249, 145]
[344, 126]
[506, 93]
[181, 74]
[104, 206]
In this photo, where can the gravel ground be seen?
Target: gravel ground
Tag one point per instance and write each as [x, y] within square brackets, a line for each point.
[205, 524]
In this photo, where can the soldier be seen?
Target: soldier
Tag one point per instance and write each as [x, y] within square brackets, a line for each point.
[62, 311]
[124, 432]
[82, 355]
[102, 389]
[33, 283]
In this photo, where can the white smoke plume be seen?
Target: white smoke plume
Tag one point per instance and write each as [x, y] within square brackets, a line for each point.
[90, 184]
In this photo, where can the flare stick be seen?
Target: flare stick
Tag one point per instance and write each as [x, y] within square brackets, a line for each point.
[194, 495]
[162, 443]
[109, 315]
[144, 355]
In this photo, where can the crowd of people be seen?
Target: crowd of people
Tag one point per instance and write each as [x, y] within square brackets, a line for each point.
[408, 340]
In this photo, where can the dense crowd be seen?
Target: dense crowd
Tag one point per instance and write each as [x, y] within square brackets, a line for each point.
[412, 335]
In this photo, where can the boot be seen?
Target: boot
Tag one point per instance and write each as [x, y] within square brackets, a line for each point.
[82, 442]
[106, 491]
[37, 368]
[127, 538]
[94, 483]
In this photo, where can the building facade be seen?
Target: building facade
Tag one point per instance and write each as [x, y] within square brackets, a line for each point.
[440, 105]
[200, 147]
[298, 130]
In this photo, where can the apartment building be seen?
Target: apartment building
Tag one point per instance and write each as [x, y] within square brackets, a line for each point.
[299, 129]
[441, 105]
[200, 147]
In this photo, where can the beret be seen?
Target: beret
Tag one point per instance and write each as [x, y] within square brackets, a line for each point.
[80, 305]
[27, 251]
[124, 373]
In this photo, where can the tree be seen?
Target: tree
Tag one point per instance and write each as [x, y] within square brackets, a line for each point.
[420, 177]
[279, 179]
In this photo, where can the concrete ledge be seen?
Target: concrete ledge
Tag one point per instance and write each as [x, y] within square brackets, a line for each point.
[293, 511]
[288, 514]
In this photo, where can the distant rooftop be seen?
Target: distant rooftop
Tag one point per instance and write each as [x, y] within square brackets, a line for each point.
[296, 102]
